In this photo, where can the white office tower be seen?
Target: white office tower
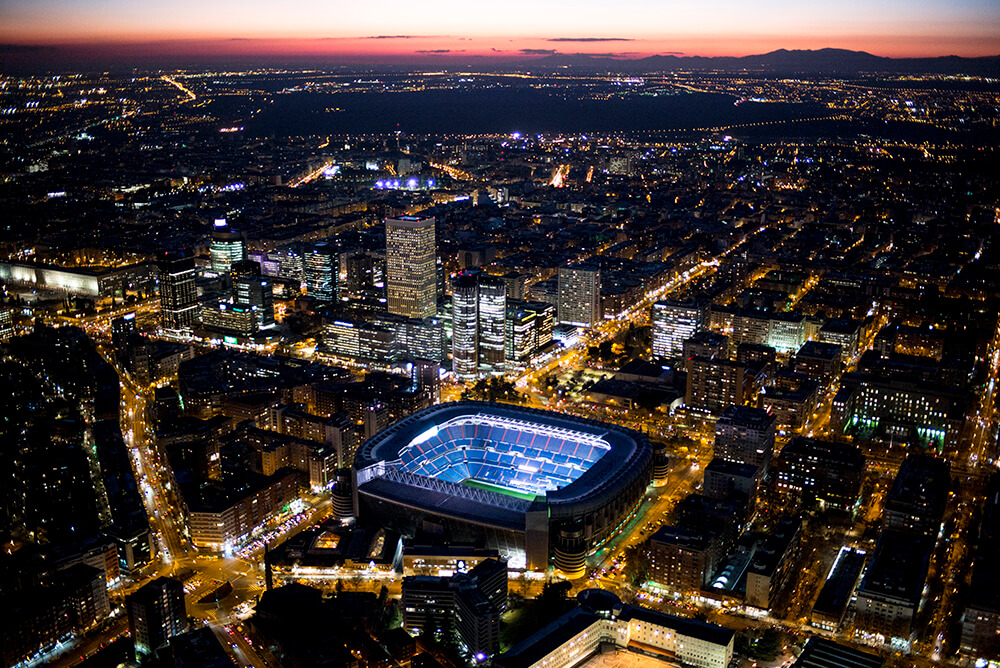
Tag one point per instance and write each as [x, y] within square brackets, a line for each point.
[674, 321]
[580, 295]
[178, 293]
[411, 270]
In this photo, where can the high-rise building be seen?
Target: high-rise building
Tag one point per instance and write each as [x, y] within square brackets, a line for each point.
[492, 321]
[479, 322]
[706, 344]
[545, 316]
[682, 560]
[156, 613]
[516, 284]
[322, 271]
[521, 336]
[819, 361]
[426, 374]
[228, 246]
[130, 347]
[529, 329]
[773, 562]
[918, 496]
[256, 294]
[745, 435]
[673, 322]
[364, 342]
[123, 332]
[244, 269]
[713, 384]
[580, 295]
[411, 268]
[228, 319]
[362, 272]
[465, 324]
[891, 591]
[466, 606]
[178, 294]
[6, 323]
[422, 339]
[285, 262]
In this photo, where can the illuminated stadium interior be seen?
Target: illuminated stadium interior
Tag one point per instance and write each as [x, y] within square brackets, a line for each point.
[503, 453]
[542, 488]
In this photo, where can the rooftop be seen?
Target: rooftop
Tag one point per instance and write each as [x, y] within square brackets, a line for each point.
[899, 566]
[821, 653]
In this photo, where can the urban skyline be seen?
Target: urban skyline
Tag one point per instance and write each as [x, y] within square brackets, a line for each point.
[399, 31]
[480, 336]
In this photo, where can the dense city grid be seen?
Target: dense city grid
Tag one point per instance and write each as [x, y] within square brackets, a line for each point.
[525, 366]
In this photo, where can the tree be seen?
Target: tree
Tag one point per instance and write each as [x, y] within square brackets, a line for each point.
[553, 592]
[637, 564]
[493, 389]
[761, 645]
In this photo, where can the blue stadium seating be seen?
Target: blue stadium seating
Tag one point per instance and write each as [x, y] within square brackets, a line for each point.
[524, 460]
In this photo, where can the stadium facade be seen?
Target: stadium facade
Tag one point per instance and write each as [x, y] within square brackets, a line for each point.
[542, 488]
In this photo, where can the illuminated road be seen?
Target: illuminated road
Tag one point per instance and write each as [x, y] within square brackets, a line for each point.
[559, 176]
[173, 553]
[180, 87]
[311, 176]
[90, 644]
[983, 424]
[453, 172]
[162, 504]
[238, 647]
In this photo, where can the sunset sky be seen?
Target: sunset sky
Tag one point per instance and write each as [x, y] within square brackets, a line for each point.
[395, 29]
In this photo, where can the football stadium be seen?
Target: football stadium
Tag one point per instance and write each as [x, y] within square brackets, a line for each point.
[542, 488]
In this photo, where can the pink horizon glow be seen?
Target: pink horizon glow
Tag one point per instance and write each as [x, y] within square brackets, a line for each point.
[394, 29]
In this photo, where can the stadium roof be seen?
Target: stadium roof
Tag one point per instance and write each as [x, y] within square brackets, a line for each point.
[575, 459]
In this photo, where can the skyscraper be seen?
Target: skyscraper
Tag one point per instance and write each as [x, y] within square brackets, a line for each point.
[322, 270]
[178, 294]
[491, 321]
[674, 321]
[123, 332]
[411, 273]
[479, 316]
[465, 324]
[228, 246]
[545, 315]
[580, 295]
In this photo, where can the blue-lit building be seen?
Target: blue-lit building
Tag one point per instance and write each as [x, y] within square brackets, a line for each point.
[322, 270]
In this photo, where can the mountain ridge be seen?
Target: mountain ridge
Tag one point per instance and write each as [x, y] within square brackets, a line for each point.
[817, 61]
